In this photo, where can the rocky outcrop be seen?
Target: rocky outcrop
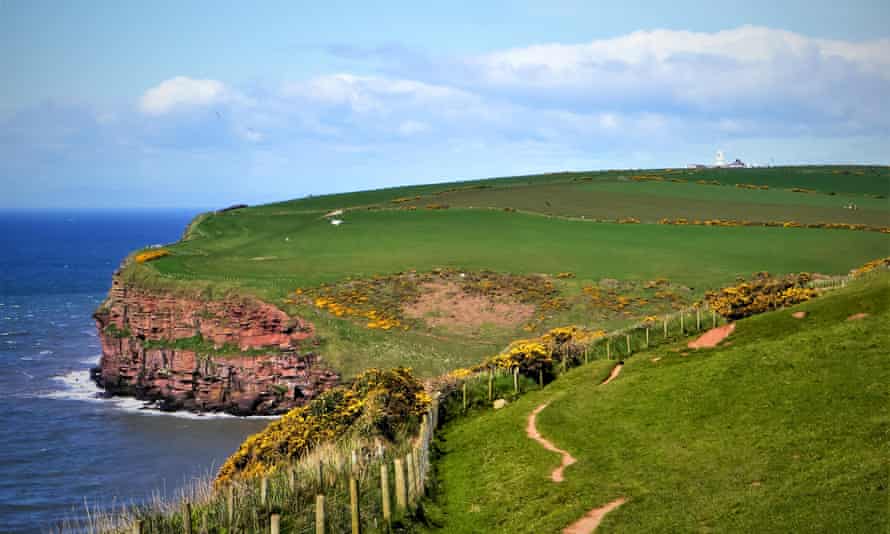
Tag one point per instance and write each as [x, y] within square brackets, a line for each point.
[237, 355]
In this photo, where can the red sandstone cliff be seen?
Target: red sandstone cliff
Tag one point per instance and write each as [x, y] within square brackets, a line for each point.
[269, 366]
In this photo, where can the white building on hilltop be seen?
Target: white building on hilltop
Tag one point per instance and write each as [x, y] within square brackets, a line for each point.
[720, 163]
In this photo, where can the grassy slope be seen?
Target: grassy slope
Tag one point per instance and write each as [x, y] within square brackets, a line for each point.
[273, 249]
[652, 201]
[859, 180]
[798, 406]
[304, 250]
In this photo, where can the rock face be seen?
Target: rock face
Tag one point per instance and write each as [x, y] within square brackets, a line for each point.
[244, 357]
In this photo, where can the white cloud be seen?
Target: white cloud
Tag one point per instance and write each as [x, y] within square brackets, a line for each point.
[742, 70]
[182, 92]
[365, 94]
[410, 127]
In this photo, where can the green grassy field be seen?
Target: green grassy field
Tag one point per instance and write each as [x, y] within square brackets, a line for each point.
[850, 181]
[783, 430]
[271, 250]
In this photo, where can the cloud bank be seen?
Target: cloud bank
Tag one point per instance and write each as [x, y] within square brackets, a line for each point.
[657, 97]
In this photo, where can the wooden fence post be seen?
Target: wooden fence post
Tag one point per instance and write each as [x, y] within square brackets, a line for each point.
[490, 385]
[682, 326]
[187, 518]
[585, 355]
[464, 389]
[541, 377]
[628, 343]
[412, 483]
[698, 319]
[137, 526]
[264, 490]
[516, 380]
[608, 348]
[401, 493]
[275, 524]
[665, 327]
[319, 473]
[713, 319]
[291, 479]
[384, 492]
[353, 504]
[647, 337]
[230, 504]
[319, 514]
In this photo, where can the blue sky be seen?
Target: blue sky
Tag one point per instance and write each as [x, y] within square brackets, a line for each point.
[202, 104]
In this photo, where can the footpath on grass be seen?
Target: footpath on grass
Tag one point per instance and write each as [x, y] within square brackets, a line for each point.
[591, 520]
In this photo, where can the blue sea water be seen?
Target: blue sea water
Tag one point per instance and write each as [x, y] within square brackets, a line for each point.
[62, 447]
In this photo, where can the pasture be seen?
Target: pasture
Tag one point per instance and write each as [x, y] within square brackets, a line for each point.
[272, 251]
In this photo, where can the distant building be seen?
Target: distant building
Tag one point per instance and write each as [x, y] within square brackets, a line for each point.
[719, 163]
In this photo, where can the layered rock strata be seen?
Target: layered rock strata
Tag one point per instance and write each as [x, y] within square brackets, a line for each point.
[240, 356]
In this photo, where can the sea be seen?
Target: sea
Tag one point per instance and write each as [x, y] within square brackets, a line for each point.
[66, 451]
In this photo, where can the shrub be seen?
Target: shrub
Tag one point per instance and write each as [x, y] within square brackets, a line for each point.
[763, 293]
[151, 255]
[377, 403]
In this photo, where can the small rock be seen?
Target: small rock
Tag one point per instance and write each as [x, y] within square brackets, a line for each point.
[499, 403]
[799, 315]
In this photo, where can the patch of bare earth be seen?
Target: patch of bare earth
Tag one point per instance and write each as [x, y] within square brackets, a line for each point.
[531, 430]
[614, 373]
[799, 314]
[592, 519]
[857, 316]
[446, 305]
[712, 337]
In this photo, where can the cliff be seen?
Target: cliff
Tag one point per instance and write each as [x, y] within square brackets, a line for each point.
[237, 355]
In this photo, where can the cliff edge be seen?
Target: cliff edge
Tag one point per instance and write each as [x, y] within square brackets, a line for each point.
[237, 355]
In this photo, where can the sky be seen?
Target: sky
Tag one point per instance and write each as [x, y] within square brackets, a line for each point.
[205, 104]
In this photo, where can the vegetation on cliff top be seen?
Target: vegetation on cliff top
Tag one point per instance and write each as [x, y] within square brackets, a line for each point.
[382, 404]
[273, 250]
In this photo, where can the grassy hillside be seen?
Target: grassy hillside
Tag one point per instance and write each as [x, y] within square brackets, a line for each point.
[273, 250]
[783, 429]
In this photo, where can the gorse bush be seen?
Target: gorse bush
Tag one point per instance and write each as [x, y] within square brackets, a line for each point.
[380, 403]
[150, 255]
[762, 293]
[882, 263]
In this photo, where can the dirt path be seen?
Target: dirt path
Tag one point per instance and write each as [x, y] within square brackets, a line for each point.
[712, 337]
[615, 372]
[532, 431]
[591, 519]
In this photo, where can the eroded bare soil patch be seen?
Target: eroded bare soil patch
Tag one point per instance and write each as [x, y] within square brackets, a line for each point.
[446, 305]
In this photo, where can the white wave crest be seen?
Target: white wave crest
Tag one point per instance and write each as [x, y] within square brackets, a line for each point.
[77, 385]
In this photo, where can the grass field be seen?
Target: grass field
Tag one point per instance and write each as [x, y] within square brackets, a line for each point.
[851, 181]
[783, 430]
[272, 250]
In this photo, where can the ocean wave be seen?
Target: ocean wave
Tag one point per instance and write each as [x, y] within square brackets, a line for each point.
[14, 333]
[77, 385]
[45, 352]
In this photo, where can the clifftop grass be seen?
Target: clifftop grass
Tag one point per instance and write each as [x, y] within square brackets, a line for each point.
[783, 430]
[270, 251]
